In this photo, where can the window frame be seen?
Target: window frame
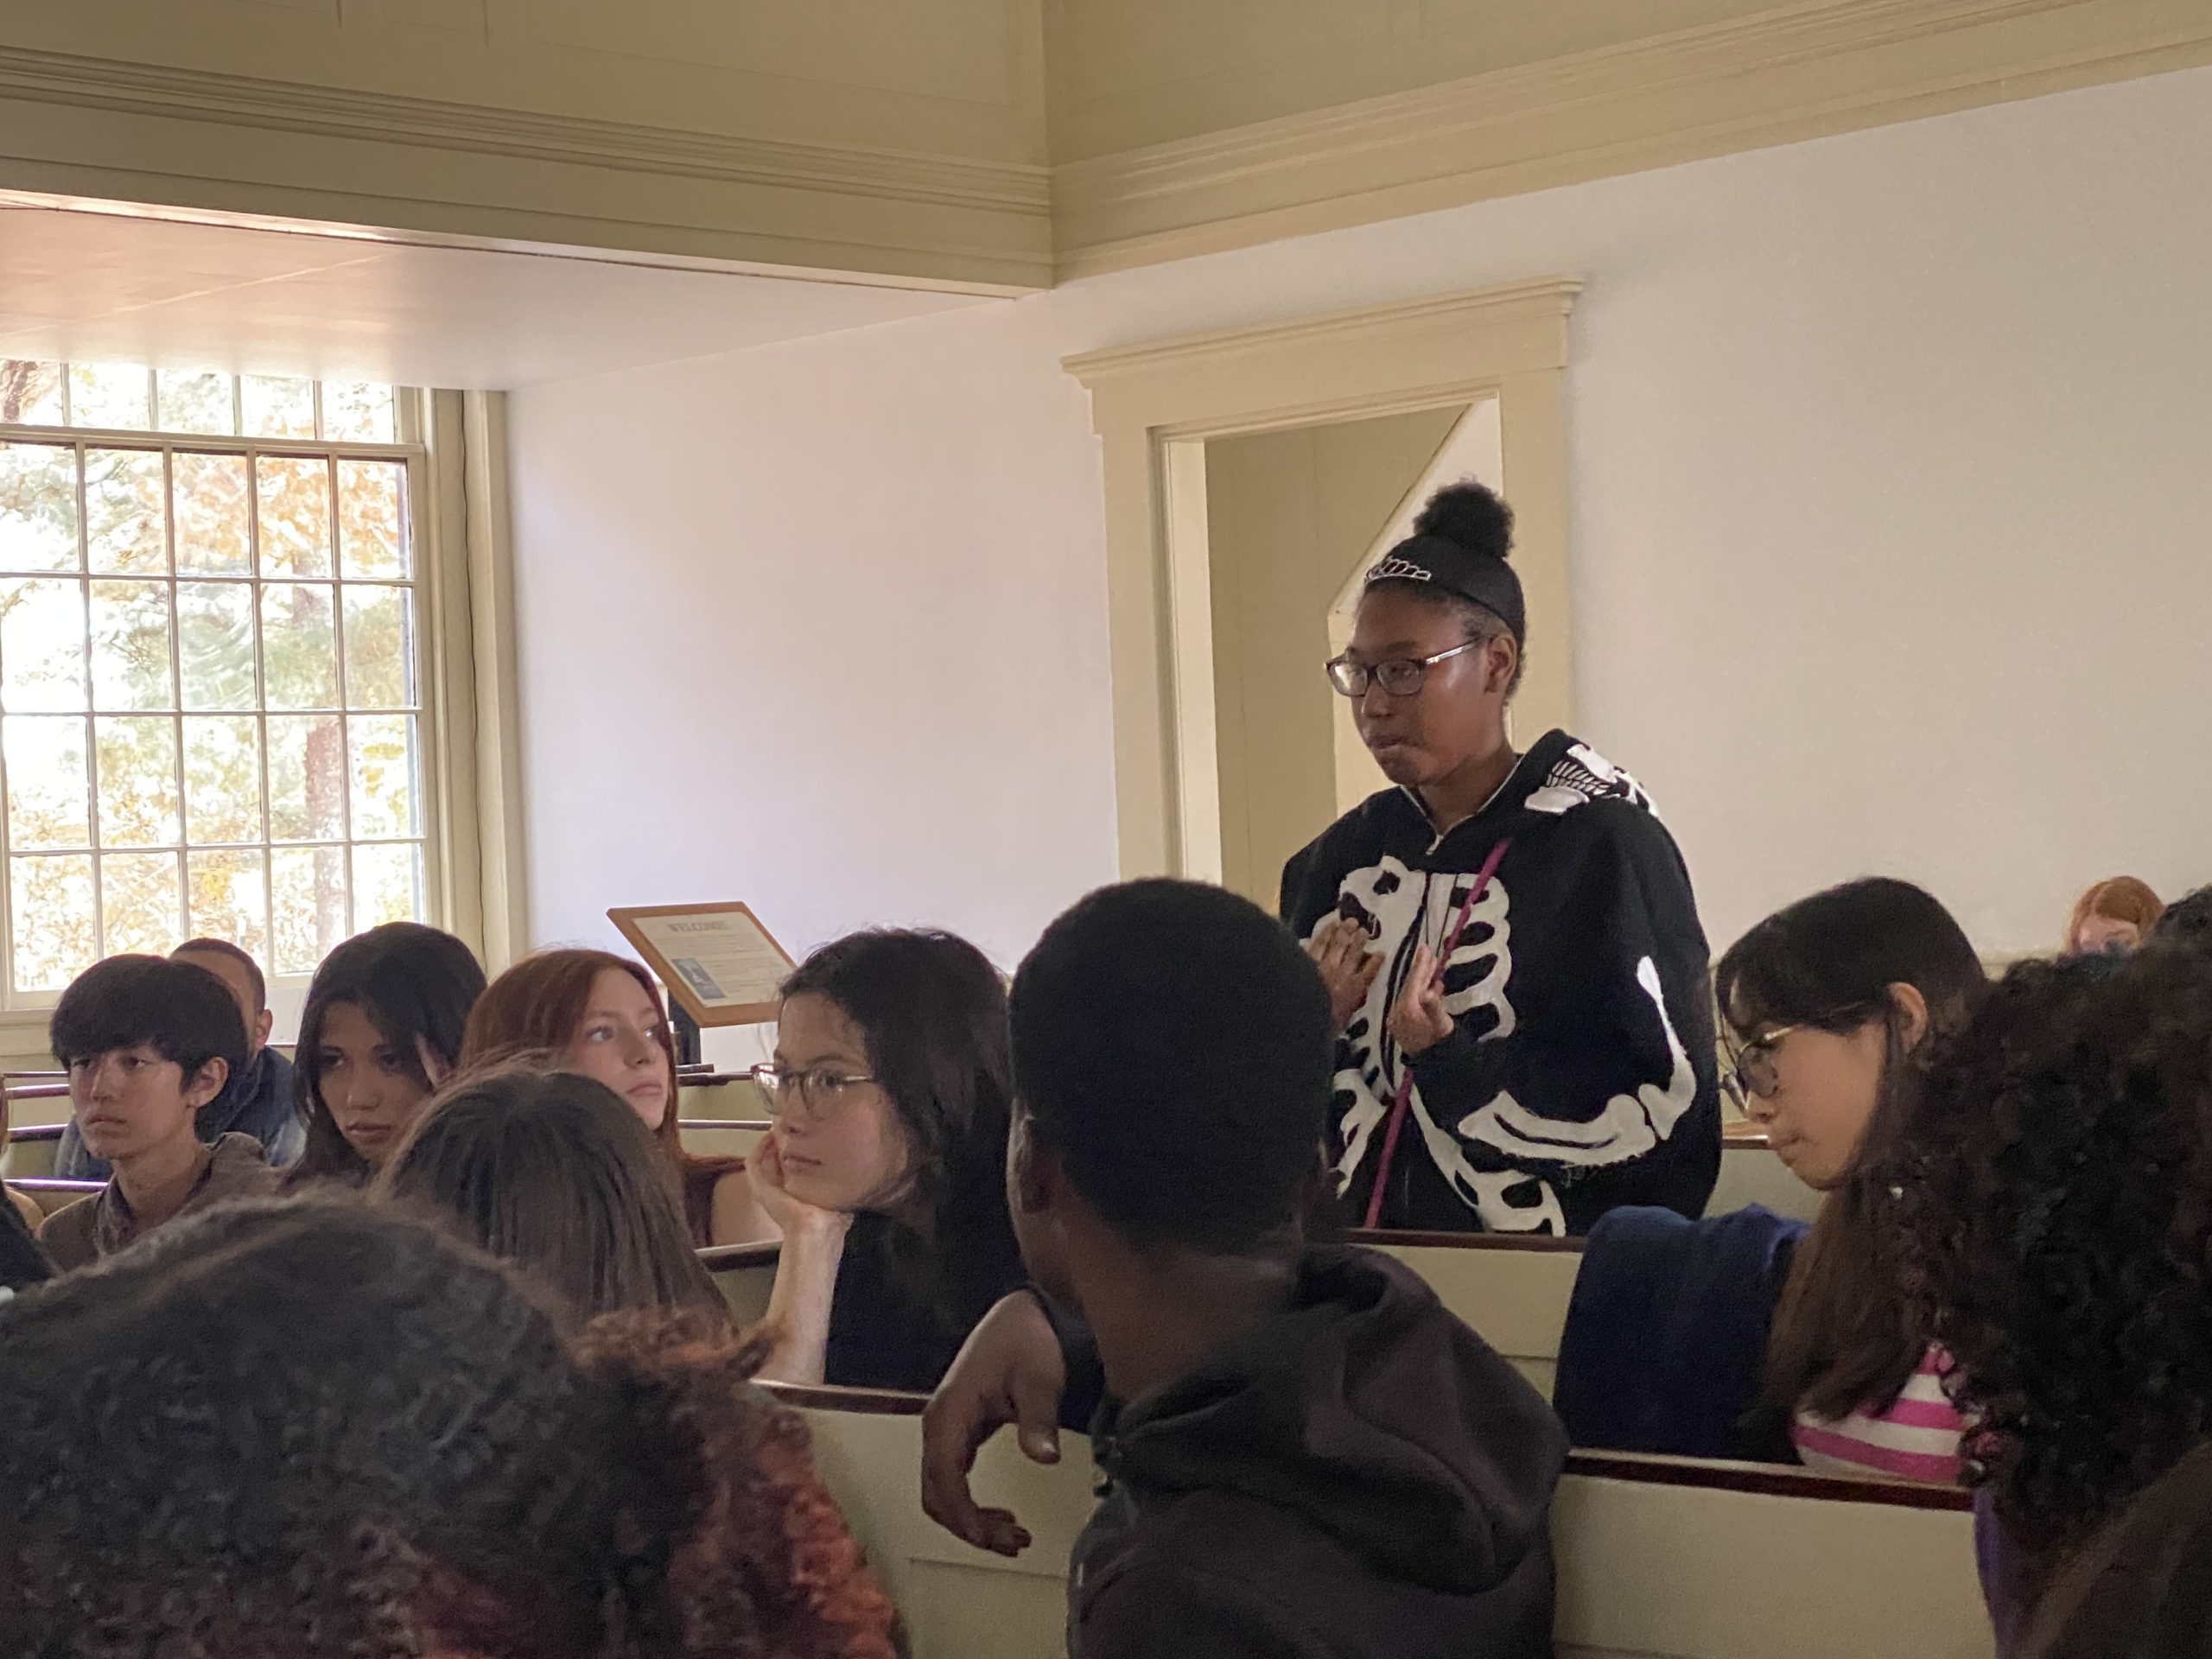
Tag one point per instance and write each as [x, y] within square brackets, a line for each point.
[444, 687]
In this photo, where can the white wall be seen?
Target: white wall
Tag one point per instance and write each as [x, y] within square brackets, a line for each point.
[819, 626]
[1891, 487]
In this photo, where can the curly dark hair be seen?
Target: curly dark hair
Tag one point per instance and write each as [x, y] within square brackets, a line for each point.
[312, 1427]
[2056, 1203]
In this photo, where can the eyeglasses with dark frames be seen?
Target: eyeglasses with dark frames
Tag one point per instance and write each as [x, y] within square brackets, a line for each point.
[1400, 676]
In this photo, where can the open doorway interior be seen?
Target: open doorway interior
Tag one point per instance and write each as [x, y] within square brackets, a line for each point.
[1293, 520]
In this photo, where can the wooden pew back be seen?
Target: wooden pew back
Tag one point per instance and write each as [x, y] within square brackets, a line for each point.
[745, 1273]
[1657, 1558]
[30, 1151]
[52, 1195]
[708, 1136]
[1512, 1291]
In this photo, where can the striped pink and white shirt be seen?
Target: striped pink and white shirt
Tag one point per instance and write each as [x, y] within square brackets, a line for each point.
[1915, 1438]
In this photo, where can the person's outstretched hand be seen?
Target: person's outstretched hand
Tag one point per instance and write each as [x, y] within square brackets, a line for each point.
[1009, 1371]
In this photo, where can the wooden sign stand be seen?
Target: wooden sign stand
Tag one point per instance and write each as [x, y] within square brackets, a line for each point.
[720, 965]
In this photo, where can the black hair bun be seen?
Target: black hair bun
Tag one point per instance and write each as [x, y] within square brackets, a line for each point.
[1470, 515]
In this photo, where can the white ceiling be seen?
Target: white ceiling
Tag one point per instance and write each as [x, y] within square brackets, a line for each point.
[106, 286]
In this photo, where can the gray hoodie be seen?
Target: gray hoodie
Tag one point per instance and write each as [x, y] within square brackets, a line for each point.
[1361, 1476]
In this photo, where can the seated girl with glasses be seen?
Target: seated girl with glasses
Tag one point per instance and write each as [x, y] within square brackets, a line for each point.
[601, 1015]
[1828, 1004]
[885, 1167]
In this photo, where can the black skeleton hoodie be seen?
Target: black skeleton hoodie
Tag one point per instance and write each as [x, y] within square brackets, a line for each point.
[1581, 1073]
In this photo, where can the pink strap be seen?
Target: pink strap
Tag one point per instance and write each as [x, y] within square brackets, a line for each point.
[1402, 1104]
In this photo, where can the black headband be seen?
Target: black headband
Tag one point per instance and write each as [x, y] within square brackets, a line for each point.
[1483, 578]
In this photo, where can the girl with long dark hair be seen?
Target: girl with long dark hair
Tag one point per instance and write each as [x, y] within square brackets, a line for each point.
[892, 1092]
[380, 1032]
[1829, 1001]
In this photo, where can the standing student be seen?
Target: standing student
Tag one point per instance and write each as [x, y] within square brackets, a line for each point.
[257, 1100]
[884, 1168]
[148, 1043]
[1559, 1060]
[381, 1030]
[553, 1172]
[602, 1015]
[1304, 1452]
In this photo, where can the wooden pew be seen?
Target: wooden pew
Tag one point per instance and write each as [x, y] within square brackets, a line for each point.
[1511, 1289]
[51, 1195]
[721, 1095]
[1671, 1558]
[711, 1135]
[30, 1151]
[959, 1602]
[1657, 1558]
[1751, 1173]
[745, 1273]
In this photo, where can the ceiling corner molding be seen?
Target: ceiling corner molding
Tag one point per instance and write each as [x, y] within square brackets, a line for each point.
[946, 221]
[1797, 72]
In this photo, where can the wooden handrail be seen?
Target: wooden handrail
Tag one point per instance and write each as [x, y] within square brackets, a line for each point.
[872, 1402]
[1764, 1479]
[758, 1254]
[1410, 1239]
[1767, 1480]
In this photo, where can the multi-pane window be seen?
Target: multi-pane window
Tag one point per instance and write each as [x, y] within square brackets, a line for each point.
[210, 678]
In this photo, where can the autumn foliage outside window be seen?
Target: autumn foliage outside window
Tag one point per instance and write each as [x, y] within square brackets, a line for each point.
[210, 676]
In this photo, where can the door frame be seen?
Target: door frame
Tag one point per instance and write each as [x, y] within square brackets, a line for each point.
[1154, 406]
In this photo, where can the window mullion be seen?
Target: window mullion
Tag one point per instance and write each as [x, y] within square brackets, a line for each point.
[91, 721]
[176, 689]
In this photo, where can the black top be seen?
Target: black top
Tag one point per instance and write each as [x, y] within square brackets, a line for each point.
[1581, 1073]
[23, 1264]
[1359, 1477]
[885, 1335]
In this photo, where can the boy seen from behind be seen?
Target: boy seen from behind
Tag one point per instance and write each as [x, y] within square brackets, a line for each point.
[1307, 1454]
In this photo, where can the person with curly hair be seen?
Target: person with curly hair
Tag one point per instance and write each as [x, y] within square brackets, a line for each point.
[308, 1428]
[2055, 1204]
[553, 1172]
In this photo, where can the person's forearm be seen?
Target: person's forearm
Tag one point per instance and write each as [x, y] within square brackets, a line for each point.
[797, 1319]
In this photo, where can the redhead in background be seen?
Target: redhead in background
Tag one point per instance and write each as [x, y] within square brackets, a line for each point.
[2112, 917]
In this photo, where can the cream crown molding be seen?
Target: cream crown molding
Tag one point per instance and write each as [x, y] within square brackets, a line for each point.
[995, 215]
[285, 106]
[1798, 72]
